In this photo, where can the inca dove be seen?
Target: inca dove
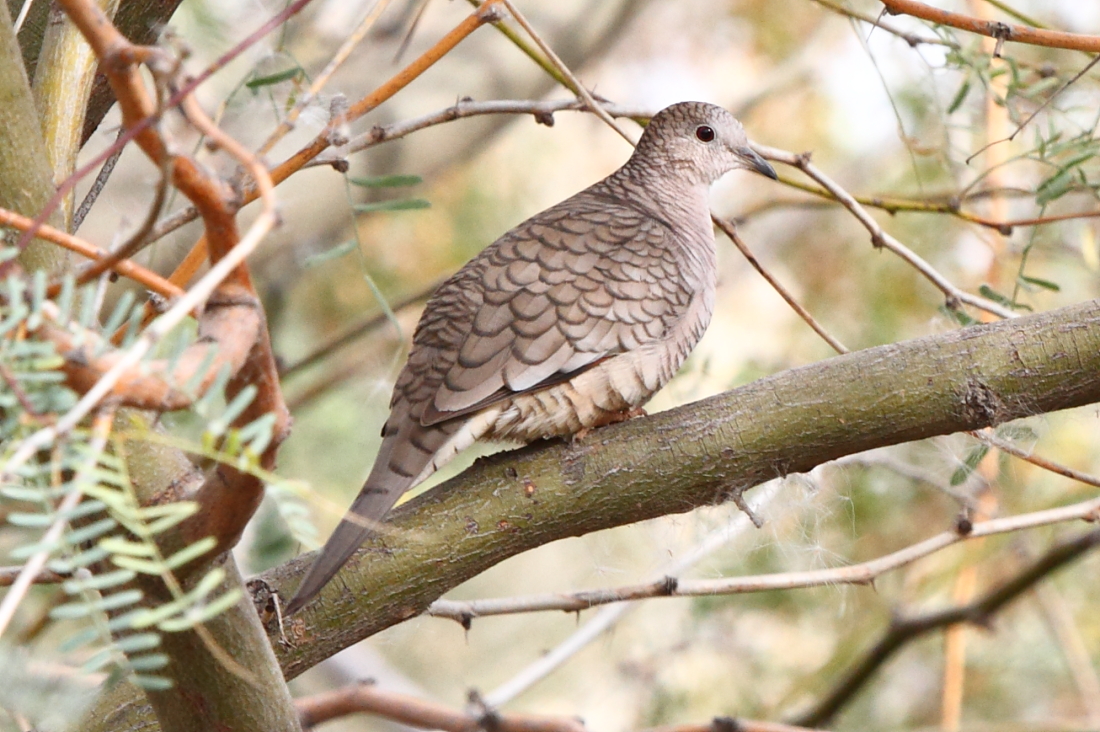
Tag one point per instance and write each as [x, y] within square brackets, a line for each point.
[571, 320]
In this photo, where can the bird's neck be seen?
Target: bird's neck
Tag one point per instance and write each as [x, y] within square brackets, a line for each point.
[670, 196]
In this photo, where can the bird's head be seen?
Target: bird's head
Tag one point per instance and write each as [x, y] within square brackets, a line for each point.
[702, 141]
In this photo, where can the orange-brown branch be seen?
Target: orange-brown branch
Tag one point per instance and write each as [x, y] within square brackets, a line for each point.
[487, 13]
[126, 268]
[995, 29]
[118, 61]
[230, 326]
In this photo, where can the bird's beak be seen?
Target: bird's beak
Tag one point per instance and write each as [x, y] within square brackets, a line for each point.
[754, 162]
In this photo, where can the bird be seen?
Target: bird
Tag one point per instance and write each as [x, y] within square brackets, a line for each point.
[570, 321]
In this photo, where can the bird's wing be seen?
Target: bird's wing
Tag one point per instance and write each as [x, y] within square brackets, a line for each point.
[565, 289]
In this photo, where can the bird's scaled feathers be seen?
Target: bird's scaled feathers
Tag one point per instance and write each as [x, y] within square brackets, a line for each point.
[571, 319]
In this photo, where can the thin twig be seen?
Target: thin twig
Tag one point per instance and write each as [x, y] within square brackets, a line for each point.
[578, 87]
[995, 29]
[17, 389]
[98, 184]
[1074, 648]
[126, 268]
[140, 126]
[989, 438]
[138, 239]
[357, 331]
[904, 630]
[332, 134]
[911, 38]
[8, 575]
[610, 616]
[863, 573]
[731, 231]
[880, 238]
[323, 78]
[420, 713]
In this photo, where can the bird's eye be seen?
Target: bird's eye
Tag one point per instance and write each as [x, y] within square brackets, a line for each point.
[704, 133]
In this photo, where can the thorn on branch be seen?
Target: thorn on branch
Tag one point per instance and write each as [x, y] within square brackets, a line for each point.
[738, 498]
[545, 118]
[490, 13]
[963, 523]
[1001, 32]
[726, 724]
[670, 584]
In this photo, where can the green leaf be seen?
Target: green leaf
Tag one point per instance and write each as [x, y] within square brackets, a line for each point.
[335, 252]
[98, 660]
[990, 294]
[960, 97]
[387, 181]
[30, 520]
[98, 581]
[151, 683]
[405, 204]
[75, 610]
[117, 545]
[144, 566]
[185, 555]
[970, 463]
[201, 614]
[79, 640]
[92, 531]
[149, 662]
[1054, 187]
[138, 642]
[1045, 284]
[959, 316]
[84, 558]
[271, 79]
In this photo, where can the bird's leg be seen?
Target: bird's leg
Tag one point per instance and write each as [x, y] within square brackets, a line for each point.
[609, 418]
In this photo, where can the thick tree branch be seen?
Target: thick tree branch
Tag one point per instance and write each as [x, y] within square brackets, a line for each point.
[26, 180]
[692, 456]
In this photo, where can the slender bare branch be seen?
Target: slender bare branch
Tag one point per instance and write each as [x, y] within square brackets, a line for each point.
[864, 573]
[902, 631]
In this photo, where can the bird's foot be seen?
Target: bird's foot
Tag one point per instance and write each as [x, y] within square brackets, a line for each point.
[609, 418]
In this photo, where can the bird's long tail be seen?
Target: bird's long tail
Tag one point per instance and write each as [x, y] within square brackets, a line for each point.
[405, 459]
[381, 490]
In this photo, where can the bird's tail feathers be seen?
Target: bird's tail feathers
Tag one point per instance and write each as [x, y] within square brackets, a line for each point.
[379, 493]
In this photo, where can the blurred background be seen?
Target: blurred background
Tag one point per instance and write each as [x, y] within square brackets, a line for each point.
[883, 117]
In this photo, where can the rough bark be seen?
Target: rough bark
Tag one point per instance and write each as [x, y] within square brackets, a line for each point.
[693, 456]
[678, 460]
[26, 180]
